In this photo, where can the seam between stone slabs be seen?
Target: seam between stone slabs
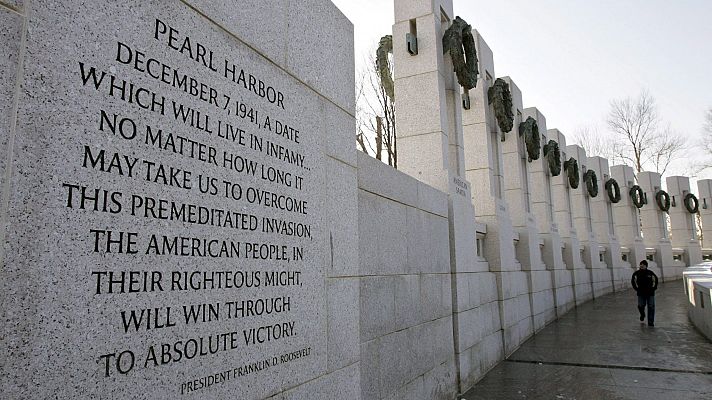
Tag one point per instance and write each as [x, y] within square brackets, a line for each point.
[423, 73]
[5, 200]
[291, 388]
[610, 366]
[400, 202]
[283, 69]
[422, 134]
[10, 8]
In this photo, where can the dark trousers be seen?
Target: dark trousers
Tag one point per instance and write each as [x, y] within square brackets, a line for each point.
[650, 302]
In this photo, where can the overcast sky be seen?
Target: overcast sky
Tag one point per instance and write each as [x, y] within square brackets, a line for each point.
[571, 57]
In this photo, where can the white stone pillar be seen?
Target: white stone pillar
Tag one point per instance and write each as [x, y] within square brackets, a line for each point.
[542, 198]
[429, 114]
[627, 225]
[564, 220]
[682, 224]
[603, 225]
[484, 168]
[704, 188]
[656, 235]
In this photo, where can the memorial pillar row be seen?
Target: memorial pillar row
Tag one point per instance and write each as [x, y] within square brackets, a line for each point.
[627, 224]
[543, 199]
[603, 225]
[656, 236]
[581, 216]
[683, 225]
[518, 185]
[484, 168]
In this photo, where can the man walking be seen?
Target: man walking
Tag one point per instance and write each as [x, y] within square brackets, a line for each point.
[645, 282]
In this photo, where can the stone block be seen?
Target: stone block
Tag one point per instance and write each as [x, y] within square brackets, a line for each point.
[487, 287]
[426, 166]
[428, 248]
[511, 284]
[370, 364]
[405, 10]
[331, 40]
[440, 383]
[435, 296]
[540, 280]
[377, 307]
[343, 218]
[470, 327]
[564, 299]
[386, 181]
[340, 384]
[430, 54]
[421, 113]
[342, 322]
[249, 25]
[382, 250]
[542, 301]
[515, 335]
[432, 200]
[339, 128]
[414, 389]
[407, 301]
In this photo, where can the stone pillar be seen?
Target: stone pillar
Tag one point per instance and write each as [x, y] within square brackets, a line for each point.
[603, 224]
[581, 216]
[704, 188]
[656, 235]
[682, 224]
[484, 168]
[517, 191]
[429, 113]
[542, 198]
[627, 225]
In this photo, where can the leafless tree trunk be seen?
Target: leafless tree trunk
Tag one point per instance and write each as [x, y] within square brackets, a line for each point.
[639, 139]
[707, 138]
[376, 115]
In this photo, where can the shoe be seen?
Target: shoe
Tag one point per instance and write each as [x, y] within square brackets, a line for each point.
[652, 325]
[642, 317]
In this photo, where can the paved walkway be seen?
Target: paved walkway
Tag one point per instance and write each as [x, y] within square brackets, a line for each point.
[601, 351]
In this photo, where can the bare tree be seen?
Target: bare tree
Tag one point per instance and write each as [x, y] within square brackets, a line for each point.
[640, 140]
[707, 137]
[595, 143]
[376, 114]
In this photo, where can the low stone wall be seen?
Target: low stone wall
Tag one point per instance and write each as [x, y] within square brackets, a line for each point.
[698, 288]
[406, 327]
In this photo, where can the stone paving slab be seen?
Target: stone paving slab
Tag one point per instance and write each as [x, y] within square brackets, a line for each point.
[601, 351]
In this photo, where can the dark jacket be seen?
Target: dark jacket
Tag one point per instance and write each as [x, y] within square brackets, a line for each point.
[644, 282]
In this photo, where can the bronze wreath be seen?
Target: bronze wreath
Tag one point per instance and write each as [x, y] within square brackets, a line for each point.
[663, 199]
[530, 130]
[501, 97]
[458, 40]
[637, 195]
[385, 46]
[553, 157]
[689, 198]
[613, 190]
[572, 171]
[591, 182]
